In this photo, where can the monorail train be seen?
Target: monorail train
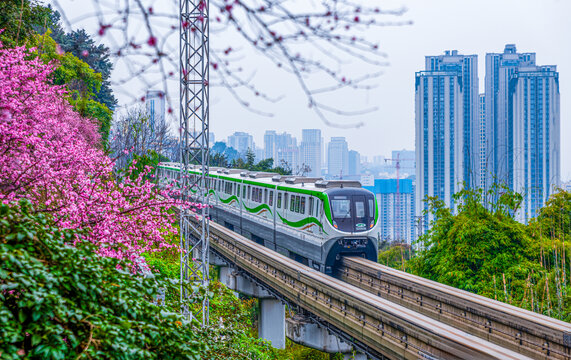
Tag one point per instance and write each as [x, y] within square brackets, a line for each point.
[310, 220]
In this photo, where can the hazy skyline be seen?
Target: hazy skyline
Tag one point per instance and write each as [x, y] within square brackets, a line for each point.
[471, 27]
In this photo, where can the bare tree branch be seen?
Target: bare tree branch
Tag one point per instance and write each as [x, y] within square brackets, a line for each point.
[324, 37]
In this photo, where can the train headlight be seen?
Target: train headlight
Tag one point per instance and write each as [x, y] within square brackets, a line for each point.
[335, 224]
[372, 224]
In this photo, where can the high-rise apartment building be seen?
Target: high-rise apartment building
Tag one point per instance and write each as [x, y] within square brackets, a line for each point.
[467, 67]
[533, 137]
[396, 212]
[500, 68]
[311, 145]
[523, 120]
[155, 105]
[337, 158]
[241, 142]
[446, 116]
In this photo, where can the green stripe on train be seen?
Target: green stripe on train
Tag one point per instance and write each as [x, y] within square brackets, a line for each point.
[258, 208]
[226, 201]
[302, 222]
[320, 195]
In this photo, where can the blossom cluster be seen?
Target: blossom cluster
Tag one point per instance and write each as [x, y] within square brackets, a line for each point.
[51, 155]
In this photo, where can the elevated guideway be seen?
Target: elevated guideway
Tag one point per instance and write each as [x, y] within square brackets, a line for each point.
[378, 327]
[526, 332]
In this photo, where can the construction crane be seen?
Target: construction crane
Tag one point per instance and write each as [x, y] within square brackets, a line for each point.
[397, 163]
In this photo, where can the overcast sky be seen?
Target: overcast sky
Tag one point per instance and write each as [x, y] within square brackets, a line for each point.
[471, 27]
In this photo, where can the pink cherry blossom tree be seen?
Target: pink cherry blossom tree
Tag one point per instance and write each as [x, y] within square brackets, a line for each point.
[49, 155]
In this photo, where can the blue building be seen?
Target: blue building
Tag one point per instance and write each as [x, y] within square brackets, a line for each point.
[396, 212]
[522, 127]
[447, 127]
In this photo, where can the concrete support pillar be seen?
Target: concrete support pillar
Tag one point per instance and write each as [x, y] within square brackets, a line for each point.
[304, 332]
[271, 323]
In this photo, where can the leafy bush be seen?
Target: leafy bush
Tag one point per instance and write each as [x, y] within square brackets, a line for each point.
[60, 301]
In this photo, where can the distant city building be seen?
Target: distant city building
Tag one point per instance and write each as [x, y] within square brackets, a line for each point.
[407, 161]
[259, 154]
[241, 142]
[282, 148]
[270, 149]
[523, 127]
[337, 158]
[211, 137]
[155, 105]
[446, 117]
[310, 151]
[396, 219]
[354, 163]
[378, 160]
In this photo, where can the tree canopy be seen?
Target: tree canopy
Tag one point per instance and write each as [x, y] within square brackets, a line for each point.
[486, 251]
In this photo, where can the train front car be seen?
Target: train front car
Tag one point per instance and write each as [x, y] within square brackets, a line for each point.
[352, 221]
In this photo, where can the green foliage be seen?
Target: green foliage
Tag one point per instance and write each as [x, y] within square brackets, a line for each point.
[395, 255]
[81, 81]
[19, 18]
[81, 45]
[61, 301]
[150, 160]
[484, 250]
[266, 165]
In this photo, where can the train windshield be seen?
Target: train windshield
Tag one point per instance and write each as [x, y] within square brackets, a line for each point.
[353, 213]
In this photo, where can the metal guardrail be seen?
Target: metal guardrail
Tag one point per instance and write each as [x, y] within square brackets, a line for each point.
[523, 331]
[381, 327]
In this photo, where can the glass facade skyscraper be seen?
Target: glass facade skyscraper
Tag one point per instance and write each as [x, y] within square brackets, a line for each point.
[447, 127]
[500, 68]
[523, 120]
[533, 137]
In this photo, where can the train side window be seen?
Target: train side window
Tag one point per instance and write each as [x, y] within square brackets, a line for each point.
[279, 204]
[297, 204]
[244, 191]
[238, 191]
[271, 198]
[285, 201]
[310, 212]
[302, 205]
[292, 204]
[248, 192]
[265, 196]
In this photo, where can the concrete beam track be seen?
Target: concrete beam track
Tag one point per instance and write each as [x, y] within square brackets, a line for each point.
[378, 327]
[526, 332]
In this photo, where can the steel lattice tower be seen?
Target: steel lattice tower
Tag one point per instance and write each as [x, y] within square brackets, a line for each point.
[194, 119]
